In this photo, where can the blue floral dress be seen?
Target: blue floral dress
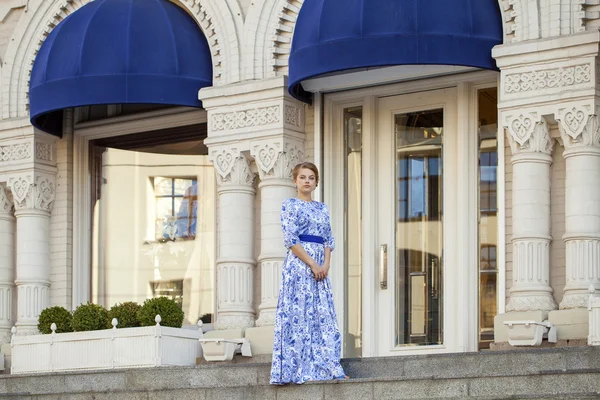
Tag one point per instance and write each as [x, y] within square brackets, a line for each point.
[307, 342]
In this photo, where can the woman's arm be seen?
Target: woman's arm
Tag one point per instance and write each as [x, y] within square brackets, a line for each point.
[327, 262]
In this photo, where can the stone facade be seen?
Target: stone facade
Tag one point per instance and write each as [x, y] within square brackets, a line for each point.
[549, 77]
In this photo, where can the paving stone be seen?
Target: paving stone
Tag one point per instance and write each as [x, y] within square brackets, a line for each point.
[421, 389]
[301, 392]
[178, 394]
[248, 393]
[350, 391]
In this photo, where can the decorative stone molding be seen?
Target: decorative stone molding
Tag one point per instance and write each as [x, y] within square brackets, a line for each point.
[578, 125]
[547, 79]
[270, 283]
[232, 167]
[6, 201]
[528, 132]
[8, 5]
[531, 286]
[235, 295]
[15, 152]
[276, 159]
[279, 36]
[31, 192]
[246, 118]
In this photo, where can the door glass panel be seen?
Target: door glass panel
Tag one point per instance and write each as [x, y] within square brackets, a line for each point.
[488, 212]
[353, 231]
[419, 233]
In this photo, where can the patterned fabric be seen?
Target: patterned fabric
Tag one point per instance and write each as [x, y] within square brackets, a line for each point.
[307, 343]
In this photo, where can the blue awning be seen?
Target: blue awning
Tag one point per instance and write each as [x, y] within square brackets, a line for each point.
[331, 36]
[119, 52]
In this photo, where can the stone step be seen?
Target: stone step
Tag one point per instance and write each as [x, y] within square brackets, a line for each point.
[533, 374]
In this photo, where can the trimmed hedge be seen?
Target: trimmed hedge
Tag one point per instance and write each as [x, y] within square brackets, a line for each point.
[170, 313]
[90, 317]
[58, 315]
[126, 314]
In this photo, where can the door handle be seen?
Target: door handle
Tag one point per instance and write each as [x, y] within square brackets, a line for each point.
[383, 267]
[435, 278]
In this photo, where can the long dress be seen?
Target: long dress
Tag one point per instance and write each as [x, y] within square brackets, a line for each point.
[307, 342]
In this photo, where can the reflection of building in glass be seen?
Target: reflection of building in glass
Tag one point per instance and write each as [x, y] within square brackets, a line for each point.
[187, 214]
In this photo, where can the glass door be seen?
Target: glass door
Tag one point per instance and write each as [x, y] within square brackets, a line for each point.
[416, 135]
[419, 233]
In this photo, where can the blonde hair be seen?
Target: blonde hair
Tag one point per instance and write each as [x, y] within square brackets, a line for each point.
[305, 165]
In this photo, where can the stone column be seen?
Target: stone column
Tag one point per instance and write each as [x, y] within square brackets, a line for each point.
[580, 135]
[531, 148]
[275, 161]
[33, 195]
[235, 256]
[7, 263]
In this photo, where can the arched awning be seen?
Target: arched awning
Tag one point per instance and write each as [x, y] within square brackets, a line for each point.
[119, 52]
[331, 37]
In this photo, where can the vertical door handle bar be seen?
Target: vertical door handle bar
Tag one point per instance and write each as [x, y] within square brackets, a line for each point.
[383, 266]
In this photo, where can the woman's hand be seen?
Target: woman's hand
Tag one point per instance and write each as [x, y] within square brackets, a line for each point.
[326, 270]
[317, 271]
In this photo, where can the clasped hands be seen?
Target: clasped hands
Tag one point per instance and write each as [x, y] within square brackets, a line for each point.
[320, 272]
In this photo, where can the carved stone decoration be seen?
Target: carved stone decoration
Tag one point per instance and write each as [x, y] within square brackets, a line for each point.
[528, 133]
[245, 118]
[578, 128]
[6, 201]
[232, 166]
[15, 152]
[30, 194]
[547, 78]
[223, 159]
[292, 115]
[275, 159]
[281, 31]
[43, 151]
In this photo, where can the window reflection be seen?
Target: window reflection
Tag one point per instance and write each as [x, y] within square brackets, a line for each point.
[154, 228]
[488, 210]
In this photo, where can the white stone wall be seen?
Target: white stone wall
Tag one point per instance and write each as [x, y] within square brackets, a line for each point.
[557, 208]
[61, 227]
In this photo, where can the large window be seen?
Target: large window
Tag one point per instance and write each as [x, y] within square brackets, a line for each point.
[154, 222]
[488, 211]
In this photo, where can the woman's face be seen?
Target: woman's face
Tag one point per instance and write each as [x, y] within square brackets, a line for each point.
[306, 181]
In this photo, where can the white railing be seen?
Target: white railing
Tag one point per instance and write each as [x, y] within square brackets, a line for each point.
[150, 346]
[594, 319]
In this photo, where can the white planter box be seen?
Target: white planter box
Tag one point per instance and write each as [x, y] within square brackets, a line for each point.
[150, 346]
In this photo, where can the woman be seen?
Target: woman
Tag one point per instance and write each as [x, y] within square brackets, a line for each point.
[307, 341]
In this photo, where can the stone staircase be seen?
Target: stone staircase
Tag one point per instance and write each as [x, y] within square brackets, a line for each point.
[559, 373]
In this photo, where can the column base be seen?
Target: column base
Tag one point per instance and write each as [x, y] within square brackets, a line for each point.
[267, 318]
[234, 322]
[531, 302]
[500, 330]
[570, 324]
[261, 339]
[25, 329]
[575, 300]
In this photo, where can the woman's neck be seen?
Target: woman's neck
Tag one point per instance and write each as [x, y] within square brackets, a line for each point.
[304, 197]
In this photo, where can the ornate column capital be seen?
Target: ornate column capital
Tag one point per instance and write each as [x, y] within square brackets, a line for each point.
[33, 191]
[232, 166]
[6, 200]
[276, 158]
[578, 125]
[528, 132]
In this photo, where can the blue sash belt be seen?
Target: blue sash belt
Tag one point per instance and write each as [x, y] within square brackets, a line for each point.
[311, 239]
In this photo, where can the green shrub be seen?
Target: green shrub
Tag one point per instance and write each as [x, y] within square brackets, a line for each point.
[90, 317]
[58, 315]
[170, 313]
[126, 314]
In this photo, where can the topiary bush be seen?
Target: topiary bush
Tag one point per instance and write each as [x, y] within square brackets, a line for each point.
[58, 315]
[126, 314]
[90, 317]
[170, 313]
